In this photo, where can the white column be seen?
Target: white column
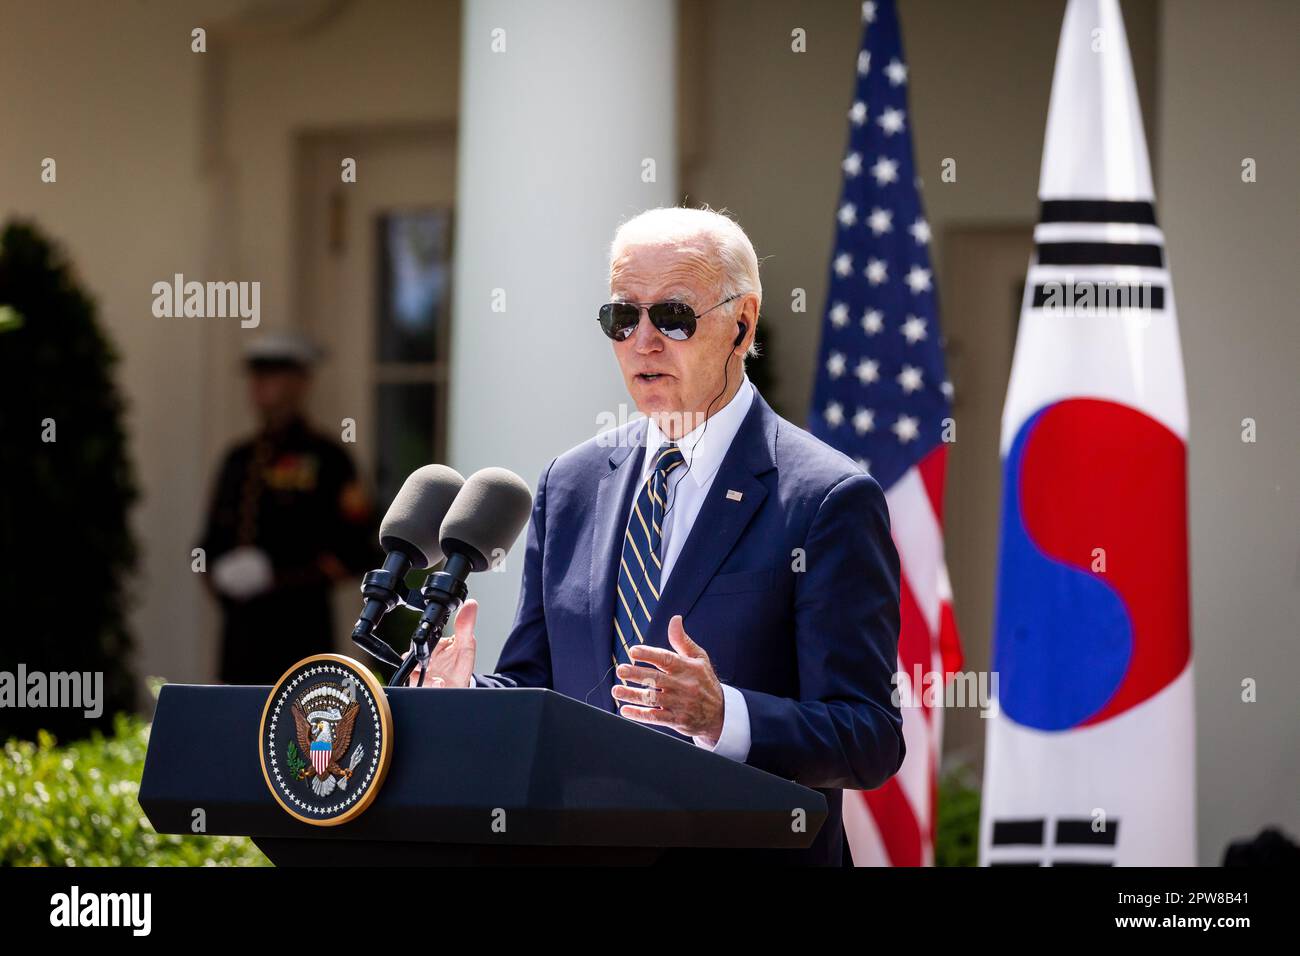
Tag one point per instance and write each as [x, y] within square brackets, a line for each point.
[555, 133]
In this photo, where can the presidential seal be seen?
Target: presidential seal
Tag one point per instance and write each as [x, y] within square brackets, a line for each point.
[325, 739]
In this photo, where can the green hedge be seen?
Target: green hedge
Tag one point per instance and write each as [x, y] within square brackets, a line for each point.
[69, 495]
[75, 805]
[957, 840]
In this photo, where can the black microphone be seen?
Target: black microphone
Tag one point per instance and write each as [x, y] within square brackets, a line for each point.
[481, 525]
[409, 536]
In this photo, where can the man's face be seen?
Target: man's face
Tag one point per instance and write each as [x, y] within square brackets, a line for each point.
[661, 374]
[277, 393]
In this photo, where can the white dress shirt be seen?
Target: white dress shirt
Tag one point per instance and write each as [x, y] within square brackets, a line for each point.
[703, 449]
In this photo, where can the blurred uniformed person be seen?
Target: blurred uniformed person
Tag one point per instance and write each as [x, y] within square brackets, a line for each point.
[288, 519]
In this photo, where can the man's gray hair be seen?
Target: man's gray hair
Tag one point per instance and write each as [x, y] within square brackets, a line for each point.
[721, 236]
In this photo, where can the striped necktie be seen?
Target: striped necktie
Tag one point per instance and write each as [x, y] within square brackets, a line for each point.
[641, 563]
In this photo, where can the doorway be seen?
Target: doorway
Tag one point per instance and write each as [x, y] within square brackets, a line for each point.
[372, 286]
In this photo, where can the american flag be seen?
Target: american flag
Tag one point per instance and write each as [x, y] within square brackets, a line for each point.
[882, 397]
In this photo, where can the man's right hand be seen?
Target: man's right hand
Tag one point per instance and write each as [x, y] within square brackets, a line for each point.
[451, 660]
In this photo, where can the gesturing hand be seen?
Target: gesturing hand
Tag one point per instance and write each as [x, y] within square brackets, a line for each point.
[451, 660]
[679, 690]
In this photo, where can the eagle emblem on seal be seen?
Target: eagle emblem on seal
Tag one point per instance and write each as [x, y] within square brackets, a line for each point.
[323, 720]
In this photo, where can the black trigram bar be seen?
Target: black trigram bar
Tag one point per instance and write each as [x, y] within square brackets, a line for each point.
[1100, 254]
[1103, 296]
[1081, 833]
[1097, 210]
[1018, 832]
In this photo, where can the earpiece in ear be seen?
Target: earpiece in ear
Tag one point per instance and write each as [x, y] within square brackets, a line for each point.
[740, 336]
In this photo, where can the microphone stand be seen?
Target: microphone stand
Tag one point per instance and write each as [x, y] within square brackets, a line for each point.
[386, 587]
[442, 593]
[381, 591]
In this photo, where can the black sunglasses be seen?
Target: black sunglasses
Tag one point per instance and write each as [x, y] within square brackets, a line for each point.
[676, 320]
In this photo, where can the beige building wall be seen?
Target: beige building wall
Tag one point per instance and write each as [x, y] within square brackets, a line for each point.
[381, 64]
[111, 92]
[356, 69]
[173, 161]
[1228, 82]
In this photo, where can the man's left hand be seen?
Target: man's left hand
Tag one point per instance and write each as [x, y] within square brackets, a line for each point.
[679, 689]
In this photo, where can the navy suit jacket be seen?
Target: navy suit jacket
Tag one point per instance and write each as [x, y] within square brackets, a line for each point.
[793, 591]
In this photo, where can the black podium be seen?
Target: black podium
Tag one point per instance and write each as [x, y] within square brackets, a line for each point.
[478, 776]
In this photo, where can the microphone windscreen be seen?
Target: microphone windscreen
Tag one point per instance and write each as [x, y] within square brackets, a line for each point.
[487, 516]
[412, 523]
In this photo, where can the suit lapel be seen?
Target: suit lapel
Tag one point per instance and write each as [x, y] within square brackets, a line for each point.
[613, 502]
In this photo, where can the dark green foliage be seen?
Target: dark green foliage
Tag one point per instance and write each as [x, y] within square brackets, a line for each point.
[65, 545]
[295, 761]
[77, 805]
[957, 840]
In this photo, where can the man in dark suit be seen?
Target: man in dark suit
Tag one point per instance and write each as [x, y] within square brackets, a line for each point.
[710, 570]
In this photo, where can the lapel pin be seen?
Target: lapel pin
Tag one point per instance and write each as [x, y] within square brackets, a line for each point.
[734, 495]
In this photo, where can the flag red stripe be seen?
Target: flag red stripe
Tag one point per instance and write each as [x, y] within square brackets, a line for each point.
[949, 643]
[914, 641]
[896, 822]
[908, 830]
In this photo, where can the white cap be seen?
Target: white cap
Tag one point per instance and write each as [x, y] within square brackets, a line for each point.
[288, 348]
